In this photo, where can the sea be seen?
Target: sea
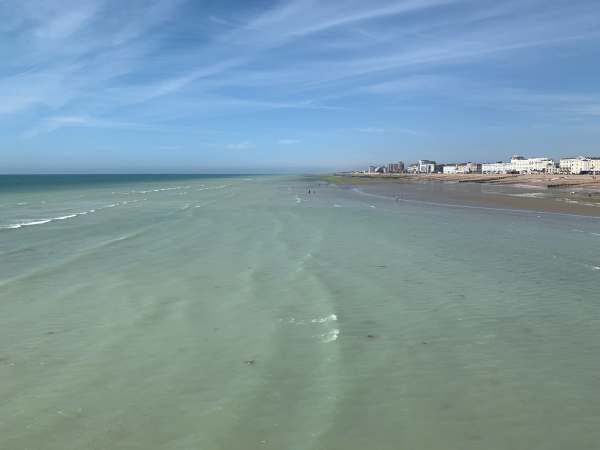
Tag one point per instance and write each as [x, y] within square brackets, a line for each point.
[243, 312]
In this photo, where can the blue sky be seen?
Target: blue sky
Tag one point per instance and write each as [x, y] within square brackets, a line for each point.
[197, 86]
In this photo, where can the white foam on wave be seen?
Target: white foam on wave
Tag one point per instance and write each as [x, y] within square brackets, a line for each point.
[298, 199]
[70, 216]
[202, 205]
[30, 223]
[528, 186]
[123, 203]
[148, 191]
[529, 195]
[294, 321]
[325, 319]
[337, 206]
[331, 335]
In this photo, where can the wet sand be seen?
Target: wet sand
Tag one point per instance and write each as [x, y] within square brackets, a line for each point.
[578, 194]
[540, 180]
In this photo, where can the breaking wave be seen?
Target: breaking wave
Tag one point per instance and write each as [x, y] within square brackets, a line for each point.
[329, 318]
[331, 335]
[30, 223]
[33, 222]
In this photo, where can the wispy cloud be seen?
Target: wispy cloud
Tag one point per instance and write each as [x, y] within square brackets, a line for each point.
[378, 130]
[288, 141]
[409, 84]
[66, 23]
[227, 62]
[54, 123]
[244, 145]
[527, 100]
[297, 18]
[371, 130]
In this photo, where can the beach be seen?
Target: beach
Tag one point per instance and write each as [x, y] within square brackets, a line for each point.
[566, 194]
[245, 313]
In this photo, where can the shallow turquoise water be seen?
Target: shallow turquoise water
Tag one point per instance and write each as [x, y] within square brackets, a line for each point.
[242, 313]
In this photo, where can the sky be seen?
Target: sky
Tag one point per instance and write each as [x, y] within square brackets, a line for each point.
[293, 85]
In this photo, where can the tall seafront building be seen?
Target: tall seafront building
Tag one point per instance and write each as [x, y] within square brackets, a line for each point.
[520, 164]
[580, 165]
[462, 168]
[426, 166]
[396, 167]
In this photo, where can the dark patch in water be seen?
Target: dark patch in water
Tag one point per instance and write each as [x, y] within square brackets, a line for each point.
[445, 406]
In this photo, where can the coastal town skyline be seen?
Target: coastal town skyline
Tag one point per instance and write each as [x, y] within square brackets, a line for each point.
[518, 164]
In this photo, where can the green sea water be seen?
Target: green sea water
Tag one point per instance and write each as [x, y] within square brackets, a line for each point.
[240, 312]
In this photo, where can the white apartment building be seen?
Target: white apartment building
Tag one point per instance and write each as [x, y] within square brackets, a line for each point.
[522, 165]
[497, 167]
[426, 166]
[462, 168]
[469, 167]
[450, 169]
[580, 164]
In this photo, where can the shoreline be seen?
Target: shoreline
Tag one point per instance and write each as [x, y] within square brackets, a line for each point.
[535, 193]
[540, 180]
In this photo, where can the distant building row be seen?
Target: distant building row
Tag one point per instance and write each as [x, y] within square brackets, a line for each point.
[396, 167]
[517, 165]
